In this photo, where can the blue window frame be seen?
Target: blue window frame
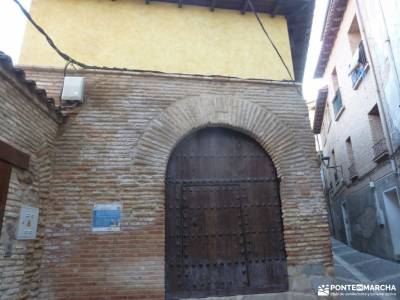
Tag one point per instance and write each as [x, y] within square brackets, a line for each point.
[337, 103]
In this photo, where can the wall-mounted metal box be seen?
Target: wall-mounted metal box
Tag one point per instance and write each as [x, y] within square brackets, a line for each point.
[73, 89]
[28, 221]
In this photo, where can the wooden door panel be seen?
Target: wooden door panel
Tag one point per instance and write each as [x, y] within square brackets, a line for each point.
[212, 239]
[224, 231]
[5, 173]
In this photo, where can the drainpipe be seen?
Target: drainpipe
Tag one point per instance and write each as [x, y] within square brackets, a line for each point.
[381, 105]
[389, 45]
[326, 191]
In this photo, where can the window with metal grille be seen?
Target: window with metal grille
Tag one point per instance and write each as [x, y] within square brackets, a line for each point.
[380, 149]
[360, 66]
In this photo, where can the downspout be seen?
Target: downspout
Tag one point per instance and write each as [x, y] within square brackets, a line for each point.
[389, 45]
[326, 191]
[381, 106]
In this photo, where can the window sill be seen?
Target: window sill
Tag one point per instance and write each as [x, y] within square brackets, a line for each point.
[340, 112]
[361, 77]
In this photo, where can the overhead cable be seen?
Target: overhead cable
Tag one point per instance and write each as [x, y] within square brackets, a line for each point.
[272, 42]
[71, 60]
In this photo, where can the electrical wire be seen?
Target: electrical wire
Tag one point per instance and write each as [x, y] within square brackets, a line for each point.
[270, 39]
[65, 74]
[71, 60]
[62, 54]
[273, 44]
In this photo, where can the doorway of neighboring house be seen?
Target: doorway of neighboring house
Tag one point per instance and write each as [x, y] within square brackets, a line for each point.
[392, 206]
[9, 157]
[346, 222]
[5, 172]
[224, 232]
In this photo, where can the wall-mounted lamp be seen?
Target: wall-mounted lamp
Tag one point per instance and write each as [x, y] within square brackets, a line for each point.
[327, 159]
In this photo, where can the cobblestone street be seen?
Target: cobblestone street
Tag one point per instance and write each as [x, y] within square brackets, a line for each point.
[356, 267]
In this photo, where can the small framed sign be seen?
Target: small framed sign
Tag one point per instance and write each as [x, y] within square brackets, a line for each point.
[28, 221]
[106, 217]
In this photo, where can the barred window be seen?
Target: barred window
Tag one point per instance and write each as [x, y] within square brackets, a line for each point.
[358, 66]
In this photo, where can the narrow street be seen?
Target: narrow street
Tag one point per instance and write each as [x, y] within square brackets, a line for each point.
[356, 267]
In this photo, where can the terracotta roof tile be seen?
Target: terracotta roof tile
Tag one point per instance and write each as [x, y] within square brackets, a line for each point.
[320, 110]
[19, 74]
[334, 18]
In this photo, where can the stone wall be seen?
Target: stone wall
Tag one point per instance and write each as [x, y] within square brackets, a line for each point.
[115, 148]
[27, 124]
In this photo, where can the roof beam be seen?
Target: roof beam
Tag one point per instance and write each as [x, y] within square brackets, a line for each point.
[245, 6]
[320, 104]
[276, 7]
[212, 5]
[296, 25]
[296, 12]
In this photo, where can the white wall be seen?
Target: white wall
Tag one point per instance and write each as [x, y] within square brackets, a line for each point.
[381, 20]
[392, 206]
[354, 121]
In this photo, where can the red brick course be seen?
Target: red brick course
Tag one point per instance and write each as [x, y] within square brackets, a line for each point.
[115, 148]
[29, 125]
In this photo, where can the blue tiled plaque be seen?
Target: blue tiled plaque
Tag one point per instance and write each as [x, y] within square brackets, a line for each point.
[107, 217]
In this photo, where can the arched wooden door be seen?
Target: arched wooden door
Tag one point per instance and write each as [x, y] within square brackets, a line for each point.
[223, 218]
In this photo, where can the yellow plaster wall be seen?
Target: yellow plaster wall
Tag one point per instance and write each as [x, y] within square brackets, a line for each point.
[158, 37]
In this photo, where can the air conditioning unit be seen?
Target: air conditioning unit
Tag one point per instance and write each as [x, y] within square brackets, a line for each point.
[73, 89]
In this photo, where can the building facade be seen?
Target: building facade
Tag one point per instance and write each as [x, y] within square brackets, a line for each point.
[159, 36]
[164, 185]
[356, 119]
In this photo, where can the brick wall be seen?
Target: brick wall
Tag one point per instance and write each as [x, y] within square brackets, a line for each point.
[28, 125]
[115, 148]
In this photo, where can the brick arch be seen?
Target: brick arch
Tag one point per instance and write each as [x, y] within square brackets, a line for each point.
[186, 116]
[298, 176]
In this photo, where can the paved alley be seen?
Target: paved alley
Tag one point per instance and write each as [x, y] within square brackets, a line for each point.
[356, 267]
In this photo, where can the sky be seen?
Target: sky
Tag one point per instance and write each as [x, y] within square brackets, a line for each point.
[11, 39]
[12, 27]
[310, 85]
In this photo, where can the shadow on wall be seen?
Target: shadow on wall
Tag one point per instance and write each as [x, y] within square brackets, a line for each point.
[391, 200]
[373, 224]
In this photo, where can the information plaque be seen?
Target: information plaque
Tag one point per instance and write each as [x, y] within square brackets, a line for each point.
[28, 221]
[107, 217]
